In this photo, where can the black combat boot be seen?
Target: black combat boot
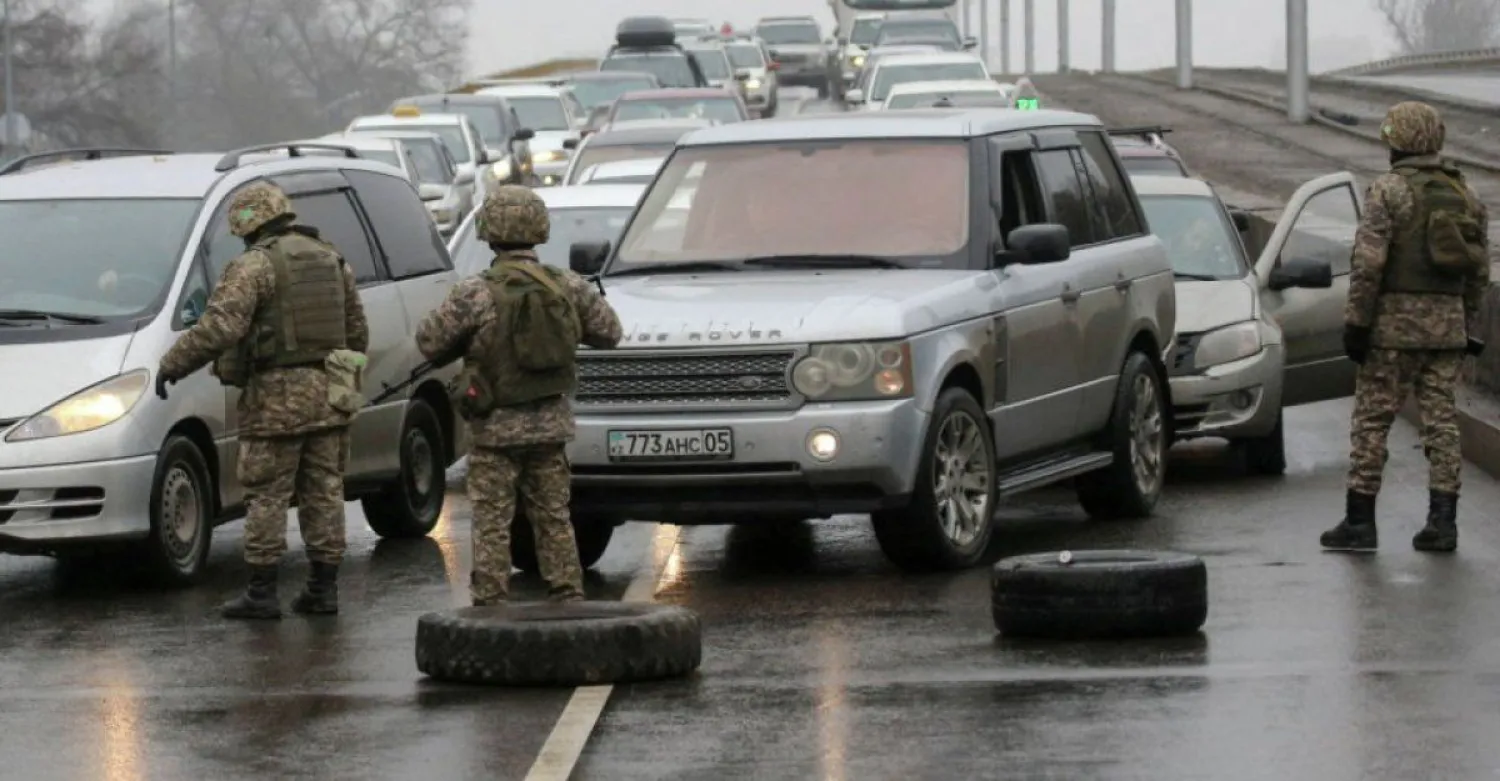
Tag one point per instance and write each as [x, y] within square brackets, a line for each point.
[1356, 532]
[1440, 535]
[259, 599]
[321, 597]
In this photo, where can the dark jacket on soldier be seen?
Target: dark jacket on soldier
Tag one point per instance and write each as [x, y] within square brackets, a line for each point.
[287, 393]
[1392, 288]
[450, 330]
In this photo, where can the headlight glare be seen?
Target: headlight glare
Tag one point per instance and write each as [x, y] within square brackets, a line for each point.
[549, 156]
[856, 371]
[1230, 343]
[89, 409]
[501, 168]
[752, 84]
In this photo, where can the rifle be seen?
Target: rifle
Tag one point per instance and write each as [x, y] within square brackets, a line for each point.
[388, 390]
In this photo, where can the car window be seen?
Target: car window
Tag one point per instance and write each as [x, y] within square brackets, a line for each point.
[1113, 206]
[926, 29]
[431, 167]
[541, 113]
[569, 226]
[407, 236]
[597, 92]
[1324, 230]
[746, 55]
[387, 156]
[452, 136]
[926, 99]
[339, 224]
[890, 75]
[1070, 208]
[723, 110]
[593, 155]
[779, 34]
[1200, 239]
[713, 63]
[670, 69]
[1152, 166]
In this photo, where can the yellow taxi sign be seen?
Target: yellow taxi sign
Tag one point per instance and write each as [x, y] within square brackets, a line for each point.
[407, 111]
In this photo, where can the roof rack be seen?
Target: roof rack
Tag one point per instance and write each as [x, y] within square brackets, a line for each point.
[231, 161]
[81, 153]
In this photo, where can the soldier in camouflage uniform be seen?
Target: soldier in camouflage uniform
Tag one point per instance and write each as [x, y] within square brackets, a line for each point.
[519, 443]
[1420, 268]
[275, 317]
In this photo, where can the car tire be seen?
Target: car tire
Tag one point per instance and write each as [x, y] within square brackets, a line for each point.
[592, 535]
[1099, 594]
[409, 506]
[925, 535]
[182, 502]
[1266, 455]
[1137, 436]
[559, 644]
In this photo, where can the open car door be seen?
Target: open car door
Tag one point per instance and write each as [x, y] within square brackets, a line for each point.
[1303, 273]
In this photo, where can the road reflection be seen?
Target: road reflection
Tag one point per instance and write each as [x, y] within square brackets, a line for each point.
[120, 721]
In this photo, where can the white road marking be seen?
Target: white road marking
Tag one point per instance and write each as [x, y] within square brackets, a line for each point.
[560, 753]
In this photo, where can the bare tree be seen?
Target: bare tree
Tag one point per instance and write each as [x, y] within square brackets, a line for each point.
[1425, 26]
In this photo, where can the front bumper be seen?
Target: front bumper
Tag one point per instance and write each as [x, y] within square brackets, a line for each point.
[771, 474]
[47, 507]
[1232, 400]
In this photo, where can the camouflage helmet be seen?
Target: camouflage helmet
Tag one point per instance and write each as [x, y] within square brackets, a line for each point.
[1413, 127]
[256, 205]
[513, 214]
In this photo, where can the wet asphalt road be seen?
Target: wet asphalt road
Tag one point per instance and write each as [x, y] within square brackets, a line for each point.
[821, 660]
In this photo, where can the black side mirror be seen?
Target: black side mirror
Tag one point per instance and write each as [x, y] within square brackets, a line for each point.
[1043, 243]
[1241, 220]
[587, 257]
[483, 157]
[1302, 272]
[570, 143]
[525, 134]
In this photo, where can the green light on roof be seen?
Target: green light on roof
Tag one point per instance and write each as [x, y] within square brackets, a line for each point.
[1028, 104]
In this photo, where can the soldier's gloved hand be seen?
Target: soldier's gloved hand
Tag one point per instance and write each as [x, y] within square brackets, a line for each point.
[162, 381]
[1356, 343]
[1475, 347]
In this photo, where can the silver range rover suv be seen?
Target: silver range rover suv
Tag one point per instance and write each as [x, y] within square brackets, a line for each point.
[910, 314]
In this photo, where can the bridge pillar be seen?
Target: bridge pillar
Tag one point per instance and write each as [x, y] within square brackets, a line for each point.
[1005, 36]
[1184, 44]
[1030, 22]
[984, 32]
[1063, 35]
[1296, 61]
[1107, 57]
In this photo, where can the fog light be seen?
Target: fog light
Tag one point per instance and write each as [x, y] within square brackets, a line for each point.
[823, 445]
[1242, 400]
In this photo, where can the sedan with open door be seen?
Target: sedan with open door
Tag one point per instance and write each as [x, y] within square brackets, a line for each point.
[1253, 338]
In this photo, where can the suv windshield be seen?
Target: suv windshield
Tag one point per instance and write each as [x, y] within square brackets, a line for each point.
[721, 109]
[669, 67]
[1200, 239]
[713, 62]
[568, 227]
[540, 113]
[805, 198]
[864, 31]
[746, 55]
[93, 257]
[593, 93]
[791, 33]
[453, 137]
[888, 76]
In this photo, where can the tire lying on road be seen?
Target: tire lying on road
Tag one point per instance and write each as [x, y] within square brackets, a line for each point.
[1099, 594]
[555, 644]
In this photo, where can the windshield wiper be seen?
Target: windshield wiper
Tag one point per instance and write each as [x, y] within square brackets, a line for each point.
[1196, 277]
[836, 261]
[37, 314]
[674, 268]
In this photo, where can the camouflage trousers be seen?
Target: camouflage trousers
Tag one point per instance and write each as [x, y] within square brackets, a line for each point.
[309, 468]
[1381, 387]
[539, 476]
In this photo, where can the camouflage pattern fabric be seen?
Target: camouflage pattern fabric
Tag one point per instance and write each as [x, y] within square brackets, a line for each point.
[469, 308]
[255, 206]
[540, 477]
[1414, 127]
[309, 467]
[1382, 385]
[278, 402]
[513, 215]
[1406, 321]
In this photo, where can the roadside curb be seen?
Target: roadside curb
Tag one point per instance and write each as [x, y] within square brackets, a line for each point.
[1478, 428]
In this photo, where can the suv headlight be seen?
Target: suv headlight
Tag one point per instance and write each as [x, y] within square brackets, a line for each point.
[89, 409]
[1230, 343]
[857, 60]
[859, 371]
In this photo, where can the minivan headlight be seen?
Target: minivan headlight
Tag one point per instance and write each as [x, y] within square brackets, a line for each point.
[89, 409]
[1230, 343]
[858, 371]
[500, 169]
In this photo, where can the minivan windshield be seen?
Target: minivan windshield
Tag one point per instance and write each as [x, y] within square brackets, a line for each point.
[593, 93]
[569, 226]
[887, 76]
[670, 68]
[96, 257]
[452, 135]
[1200, 239]
[799, 198]
[864, 31]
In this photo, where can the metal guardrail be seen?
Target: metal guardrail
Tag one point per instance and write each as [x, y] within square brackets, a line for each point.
[1470, 57]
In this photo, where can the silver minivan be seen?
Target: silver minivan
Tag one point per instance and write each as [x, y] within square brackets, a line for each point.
[107, 261]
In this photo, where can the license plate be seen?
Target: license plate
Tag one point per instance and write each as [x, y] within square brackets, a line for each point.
[688, 444]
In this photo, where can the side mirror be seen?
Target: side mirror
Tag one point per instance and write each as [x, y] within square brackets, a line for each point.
[431, 192]
[525, 134]
[1241, 220]
[570, 143]
[854, 96]
[1302, 272]
[741, 77]
[192, 310]
[587, 257]
[495, 155]
[463, 178]
[483, 157]
[1043, 243]
[970, 42]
